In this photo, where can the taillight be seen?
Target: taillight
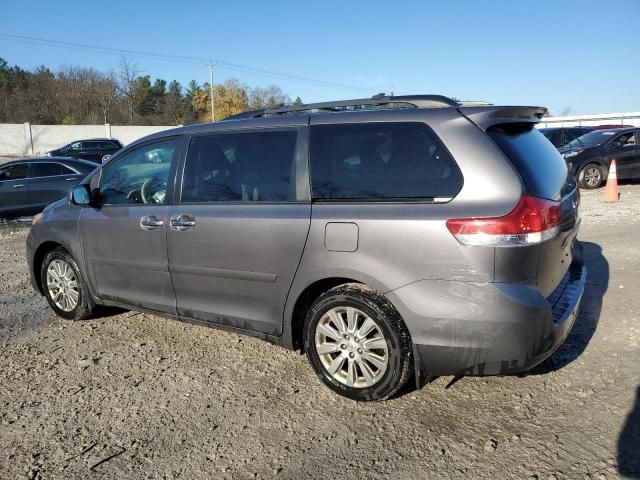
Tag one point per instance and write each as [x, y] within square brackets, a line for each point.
[534, 220]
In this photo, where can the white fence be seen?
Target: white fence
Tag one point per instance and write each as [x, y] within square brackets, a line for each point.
[27, 139]
[624, 118]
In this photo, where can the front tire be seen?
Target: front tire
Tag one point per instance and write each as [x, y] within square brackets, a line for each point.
[358, 344]
[591, 176]
[63, 285]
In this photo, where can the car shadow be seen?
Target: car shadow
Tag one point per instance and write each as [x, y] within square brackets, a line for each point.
[587, 321]
[629, 443]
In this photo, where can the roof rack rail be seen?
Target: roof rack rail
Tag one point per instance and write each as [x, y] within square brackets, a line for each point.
[379, 100]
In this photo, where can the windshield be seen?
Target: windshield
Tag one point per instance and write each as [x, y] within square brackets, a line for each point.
[592, 139]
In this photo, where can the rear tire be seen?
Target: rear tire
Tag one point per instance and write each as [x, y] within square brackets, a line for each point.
[357, 343]
[63, 285]
[591, 176]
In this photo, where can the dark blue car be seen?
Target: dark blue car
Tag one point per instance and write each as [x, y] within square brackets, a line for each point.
[30, 184]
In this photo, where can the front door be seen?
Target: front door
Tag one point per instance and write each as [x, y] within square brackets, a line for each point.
[124, 233]
[14, 180]
[624, 149]
[237, 234]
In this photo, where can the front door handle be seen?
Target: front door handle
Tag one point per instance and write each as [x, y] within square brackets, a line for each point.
[70, 179]
[19, 186]
[150, 222]
[182, 222]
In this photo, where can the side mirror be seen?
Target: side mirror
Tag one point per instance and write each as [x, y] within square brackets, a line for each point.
[81, 195]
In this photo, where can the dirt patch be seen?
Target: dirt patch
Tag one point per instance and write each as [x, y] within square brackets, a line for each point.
[138, 396]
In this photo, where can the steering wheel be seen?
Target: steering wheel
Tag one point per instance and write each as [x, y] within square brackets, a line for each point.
[146, 195]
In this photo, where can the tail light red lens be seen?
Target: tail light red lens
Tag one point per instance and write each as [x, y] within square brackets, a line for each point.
[534, 220]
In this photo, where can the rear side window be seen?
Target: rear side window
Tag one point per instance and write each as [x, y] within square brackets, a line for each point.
[240, 167]
[555, 137]
[378, 161]
[50, 170]
[542, 169]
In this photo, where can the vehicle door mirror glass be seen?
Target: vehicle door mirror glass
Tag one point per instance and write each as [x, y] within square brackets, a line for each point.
[80, 195]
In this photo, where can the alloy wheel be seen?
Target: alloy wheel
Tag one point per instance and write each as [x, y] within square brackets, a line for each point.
[62, 285]
[592, 176]
[351, 347]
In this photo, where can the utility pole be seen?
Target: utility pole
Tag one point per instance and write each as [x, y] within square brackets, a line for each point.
[213, 108]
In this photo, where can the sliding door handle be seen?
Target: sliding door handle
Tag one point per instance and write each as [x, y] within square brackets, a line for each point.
[182, 222]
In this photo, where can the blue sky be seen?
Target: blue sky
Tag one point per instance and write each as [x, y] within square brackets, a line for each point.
[582, 55]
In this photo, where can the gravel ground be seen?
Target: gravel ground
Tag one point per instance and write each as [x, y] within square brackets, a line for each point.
[137, 396]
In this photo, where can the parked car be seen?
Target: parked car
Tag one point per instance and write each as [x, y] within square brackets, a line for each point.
[560, 136]
[94, 149]
[590, 156]
[28, 185]
[430, 239]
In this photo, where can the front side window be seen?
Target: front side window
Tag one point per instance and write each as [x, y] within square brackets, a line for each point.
[75, 146]
[378, 161]
[240, 167]
[627, 139]
[140, 176]
[14, 172]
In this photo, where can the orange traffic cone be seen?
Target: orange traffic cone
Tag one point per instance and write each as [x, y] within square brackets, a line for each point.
[611, 190]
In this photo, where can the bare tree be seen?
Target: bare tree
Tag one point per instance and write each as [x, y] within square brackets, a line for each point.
[566, 111]
[129, 72]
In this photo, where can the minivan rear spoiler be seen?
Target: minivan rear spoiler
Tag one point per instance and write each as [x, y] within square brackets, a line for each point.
[488, 116]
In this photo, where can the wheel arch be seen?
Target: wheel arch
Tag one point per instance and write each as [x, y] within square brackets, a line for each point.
[293, 333]
[600, 162]
[38, 258]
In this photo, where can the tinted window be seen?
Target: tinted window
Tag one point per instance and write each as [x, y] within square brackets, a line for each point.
[106, 145]
[380, 161]
[14, 172]
[250, 167]
[46, 169]
[542, 169]
[627, 139]
[140, 176]
[555, 137]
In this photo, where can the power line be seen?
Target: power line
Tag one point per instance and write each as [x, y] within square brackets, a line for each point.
[181, 59]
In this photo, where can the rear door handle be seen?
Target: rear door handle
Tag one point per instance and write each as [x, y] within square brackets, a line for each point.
[182, 222]
[150, 222]
[19, 186]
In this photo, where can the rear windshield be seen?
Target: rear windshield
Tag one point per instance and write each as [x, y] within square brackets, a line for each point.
[543, 170]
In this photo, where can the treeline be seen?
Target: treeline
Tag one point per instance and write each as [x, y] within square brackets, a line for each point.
[74, 95]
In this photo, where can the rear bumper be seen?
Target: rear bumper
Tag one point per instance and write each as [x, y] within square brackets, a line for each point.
[462, 328]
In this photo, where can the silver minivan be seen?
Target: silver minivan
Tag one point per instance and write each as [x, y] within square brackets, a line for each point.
[388, 238]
